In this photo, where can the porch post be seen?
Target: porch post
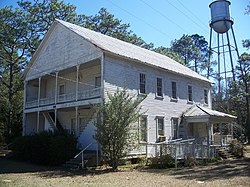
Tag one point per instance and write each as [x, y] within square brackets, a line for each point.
[56, 87]
[39, 91]
[77, 81]
[208, 138]
[77, 128]
[55, 117]
[38, 122]
[220, 124]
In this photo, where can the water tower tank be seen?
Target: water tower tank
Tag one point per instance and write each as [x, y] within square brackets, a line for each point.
[220, 16]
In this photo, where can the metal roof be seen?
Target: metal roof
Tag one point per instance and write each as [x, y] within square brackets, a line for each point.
[197, 111]
[131, 51]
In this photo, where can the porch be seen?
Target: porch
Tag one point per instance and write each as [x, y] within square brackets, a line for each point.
[81, 82]
[209, 127]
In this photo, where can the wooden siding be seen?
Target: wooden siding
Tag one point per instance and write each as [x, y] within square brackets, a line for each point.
[60, 50]
[124, 73]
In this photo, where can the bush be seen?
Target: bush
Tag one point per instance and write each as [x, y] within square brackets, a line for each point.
[47, 148]
[163, 161]
[236, 148]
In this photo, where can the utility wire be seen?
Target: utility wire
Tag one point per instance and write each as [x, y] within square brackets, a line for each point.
[202, 23]
[164, 16]
[138, 18]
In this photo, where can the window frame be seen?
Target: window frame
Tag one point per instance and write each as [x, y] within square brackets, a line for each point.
[159, 87]
[142, 83]
[96, 81]
[173, 91]
[59, 89]
[157, 126]
[205, 96]
[190, 99]
[174, 128]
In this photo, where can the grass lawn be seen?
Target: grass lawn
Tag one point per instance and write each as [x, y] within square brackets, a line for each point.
[223, 173]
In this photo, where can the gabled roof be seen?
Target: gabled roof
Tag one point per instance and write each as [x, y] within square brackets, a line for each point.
[127, 50]
[199, 112]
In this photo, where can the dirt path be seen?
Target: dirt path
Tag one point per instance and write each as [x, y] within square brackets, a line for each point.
[224, 173]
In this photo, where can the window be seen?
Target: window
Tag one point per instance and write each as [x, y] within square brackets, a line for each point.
[98, 82]
[160, 126]
[159, 87]
[175, 128]
[62, 89]
[205, 96]
[190, 93]
[142, 83]
[143, 129]
[174, 90]
[73, 126]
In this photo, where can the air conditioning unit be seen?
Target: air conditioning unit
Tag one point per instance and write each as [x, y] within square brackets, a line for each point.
[161, 138]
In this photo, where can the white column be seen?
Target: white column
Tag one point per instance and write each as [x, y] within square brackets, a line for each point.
[208, 138]
[220, 133]
[39, 91]
[77, 126]
[56, 87]
[77, 81]
[38, 122]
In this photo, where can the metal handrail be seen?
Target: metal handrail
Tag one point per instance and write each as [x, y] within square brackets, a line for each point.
[7, 146]
[81, 153]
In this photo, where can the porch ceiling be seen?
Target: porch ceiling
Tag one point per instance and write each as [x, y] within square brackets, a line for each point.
[198, 114]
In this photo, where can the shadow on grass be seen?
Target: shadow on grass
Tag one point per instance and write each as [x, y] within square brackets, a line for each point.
[220, 170]
[9, 166]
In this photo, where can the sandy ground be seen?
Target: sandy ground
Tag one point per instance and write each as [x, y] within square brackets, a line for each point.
[224, 173]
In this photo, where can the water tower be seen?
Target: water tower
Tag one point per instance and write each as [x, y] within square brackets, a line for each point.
[221, 23]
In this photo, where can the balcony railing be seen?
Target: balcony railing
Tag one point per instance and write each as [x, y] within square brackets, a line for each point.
[31, 104]
[66, 97]
[88, 94]
[47, 101]
[69, 97]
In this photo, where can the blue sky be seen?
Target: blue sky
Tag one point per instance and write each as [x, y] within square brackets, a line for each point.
[162, 21]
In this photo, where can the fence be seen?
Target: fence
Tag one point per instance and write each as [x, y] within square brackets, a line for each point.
[179, 150]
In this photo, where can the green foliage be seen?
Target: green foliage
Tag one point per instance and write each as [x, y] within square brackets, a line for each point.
[162, 161]
[236, 148]
[47, 148]
[107, 24]
[117, 132]
[194, 52]
[170, 53]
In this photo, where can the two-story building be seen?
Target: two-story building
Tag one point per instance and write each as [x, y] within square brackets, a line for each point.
[74, 67]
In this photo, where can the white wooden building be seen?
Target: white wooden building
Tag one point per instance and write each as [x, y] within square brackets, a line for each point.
[74, 67]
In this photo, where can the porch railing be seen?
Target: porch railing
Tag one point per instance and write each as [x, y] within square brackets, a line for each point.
[180, 150]
[47, 101]
[69, 97]
[96, 92]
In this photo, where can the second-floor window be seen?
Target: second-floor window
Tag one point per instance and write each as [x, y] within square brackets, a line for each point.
[190, 93]
[159, 87]
[61, 89]
[142, 83]
[174, 90]
[98, 82]
[205, 96]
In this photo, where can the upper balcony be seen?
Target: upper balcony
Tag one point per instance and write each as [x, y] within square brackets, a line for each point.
[74, 84]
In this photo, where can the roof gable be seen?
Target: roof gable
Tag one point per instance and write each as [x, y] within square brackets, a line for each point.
[60, 49]
[133, 52]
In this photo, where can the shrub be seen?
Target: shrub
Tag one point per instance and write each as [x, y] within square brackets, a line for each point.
[236, 148]
[48, 148]
[162, 161]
